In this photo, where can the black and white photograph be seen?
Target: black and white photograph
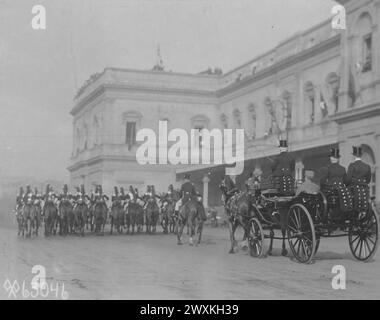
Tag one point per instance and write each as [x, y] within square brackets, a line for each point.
[190, 150]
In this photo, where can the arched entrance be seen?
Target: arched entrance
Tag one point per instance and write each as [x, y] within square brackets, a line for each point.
[369, 158]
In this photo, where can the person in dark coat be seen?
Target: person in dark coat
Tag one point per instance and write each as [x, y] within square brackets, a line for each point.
[333, 178]
[282, 170]
[358, 179]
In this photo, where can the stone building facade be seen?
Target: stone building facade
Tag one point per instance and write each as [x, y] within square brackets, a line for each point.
[318, 89]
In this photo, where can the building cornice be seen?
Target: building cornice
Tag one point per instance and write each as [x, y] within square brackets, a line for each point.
[358, 113]
[281, 65]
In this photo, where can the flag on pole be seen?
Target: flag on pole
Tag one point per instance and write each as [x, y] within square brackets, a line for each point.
[352, 88]
[323, 106]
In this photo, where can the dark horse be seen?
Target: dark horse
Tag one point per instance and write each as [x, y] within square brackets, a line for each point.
[135, 217]
[50, 213]
[237, 207]
[100, 216]
[117, 217]
[66, 217]
[30, 220]
[80, 217]
[190, 215]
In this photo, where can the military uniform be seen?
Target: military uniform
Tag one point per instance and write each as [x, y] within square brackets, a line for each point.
[187, 193]
[357, 180]
[28, 196]
[282, 171]
[332, 181]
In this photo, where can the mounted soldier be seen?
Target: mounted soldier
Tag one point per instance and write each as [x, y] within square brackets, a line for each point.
[358, 179]
[332, 182]
[28, 197]
[188, 193]
[20, 198]
[282, 170]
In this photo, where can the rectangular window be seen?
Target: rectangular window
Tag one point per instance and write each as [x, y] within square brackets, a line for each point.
[131, 133]
[367, 53]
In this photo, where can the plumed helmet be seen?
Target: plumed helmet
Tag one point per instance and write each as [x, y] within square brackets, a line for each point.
[35, 191]
[77, 189]
[21, 191]
[28, 188]
[65, 188]
[116, 190]
[47, 188]
[122, 191]
[82, 188]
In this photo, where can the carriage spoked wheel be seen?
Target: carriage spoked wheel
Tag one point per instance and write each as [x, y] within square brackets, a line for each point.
[301, 233]
[363, 236]
[256, 239]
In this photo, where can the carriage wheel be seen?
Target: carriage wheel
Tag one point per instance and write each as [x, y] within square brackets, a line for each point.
[363, 237]
[301, 233]
[256, 239]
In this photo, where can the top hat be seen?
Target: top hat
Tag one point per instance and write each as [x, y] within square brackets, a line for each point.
[357, 151]
[47, 188]
[82, 188]
[283, 144]
[334, 152]
[65, 188]
[77, 188]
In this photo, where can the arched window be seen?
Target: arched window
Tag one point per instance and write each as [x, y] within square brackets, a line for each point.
[132, 122]
[364, 43]
[333, 84]
[237, 118]
[96, 131]
[287, 109]
[200, 122]
[252, 113]
[310, 99]
[224, 120]
[85, 136]
[77, 141]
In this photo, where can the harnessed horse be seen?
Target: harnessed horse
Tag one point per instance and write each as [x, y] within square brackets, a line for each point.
[237, 205]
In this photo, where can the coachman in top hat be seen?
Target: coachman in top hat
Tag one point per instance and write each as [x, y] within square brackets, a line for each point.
[333, 178]
[282, 170]
[357, 180]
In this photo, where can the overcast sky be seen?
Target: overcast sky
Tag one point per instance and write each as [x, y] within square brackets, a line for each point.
[40, 71]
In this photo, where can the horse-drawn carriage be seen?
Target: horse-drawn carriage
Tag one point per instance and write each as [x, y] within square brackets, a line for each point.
[305, 219]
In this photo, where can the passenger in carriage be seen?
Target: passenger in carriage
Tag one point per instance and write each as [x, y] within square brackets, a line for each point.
[282, 171]
[333, 178]
[253, 185]
[358, 179]
[308, 186]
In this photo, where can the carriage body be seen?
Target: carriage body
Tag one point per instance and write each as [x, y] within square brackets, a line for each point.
[307, 218]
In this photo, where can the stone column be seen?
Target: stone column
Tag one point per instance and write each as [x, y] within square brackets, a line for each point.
[299, 171]
[205, 181]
